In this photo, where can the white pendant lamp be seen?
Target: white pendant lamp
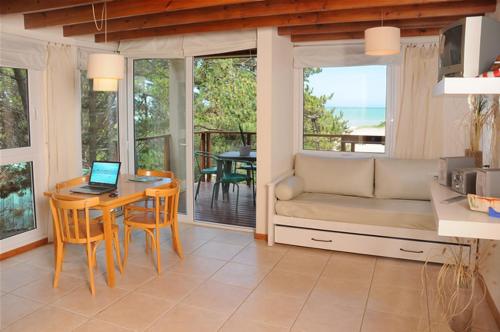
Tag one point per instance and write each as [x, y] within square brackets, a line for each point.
[105, 69]
[382, 41]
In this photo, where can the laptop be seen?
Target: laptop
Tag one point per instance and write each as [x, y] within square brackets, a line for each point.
[103, 178]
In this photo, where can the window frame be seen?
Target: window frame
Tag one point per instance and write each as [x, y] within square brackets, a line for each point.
[33, 153]
[299, 118]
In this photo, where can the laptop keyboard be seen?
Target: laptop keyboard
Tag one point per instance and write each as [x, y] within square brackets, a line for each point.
[89, 187]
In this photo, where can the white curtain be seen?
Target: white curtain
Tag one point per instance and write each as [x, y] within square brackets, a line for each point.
[16, 51]
[418, 121]
[190, 44]
[62, 117]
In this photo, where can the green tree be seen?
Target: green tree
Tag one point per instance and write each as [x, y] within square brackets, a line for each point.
[319, 120]
[99, 123]
[14, 108]
[151, 111]
[225, 91]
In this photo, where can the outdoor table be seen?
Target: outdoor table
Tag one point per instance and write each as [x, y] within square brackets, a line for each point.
[225, 166]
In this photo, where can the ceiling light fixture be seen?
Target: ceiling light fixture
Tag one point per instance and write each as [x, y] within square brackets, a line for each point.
[105, 69]
[383, 40]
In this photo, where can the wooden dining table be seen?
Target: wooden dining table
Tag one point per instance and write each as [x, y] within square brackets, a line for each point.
[127, 192]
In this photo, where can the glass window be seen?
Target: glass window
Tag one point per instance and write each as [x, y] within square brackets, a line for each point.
[345, 109]
[151, 113]
[17, 208]
[14, 108]
[160, 117]
[99, 112]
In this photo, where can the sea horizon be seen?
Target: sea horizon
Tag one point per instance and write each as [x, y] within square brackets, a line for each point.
[361, 116]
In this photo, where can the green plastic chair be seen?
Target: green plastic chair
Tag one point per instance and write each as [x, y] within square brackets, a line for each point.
[231, 178]
[249, 167]
[204, 171]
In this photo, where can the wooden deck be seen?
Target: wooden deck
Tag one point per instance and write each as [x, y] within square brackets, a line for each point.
[224, 212]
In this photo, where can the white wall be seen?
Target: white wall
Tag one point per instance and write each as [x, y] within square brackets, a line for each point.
[274, 114]
[455, 110]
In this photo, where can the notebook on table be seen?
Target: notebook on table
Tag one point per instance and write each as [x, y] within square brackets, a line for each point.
[103, 178]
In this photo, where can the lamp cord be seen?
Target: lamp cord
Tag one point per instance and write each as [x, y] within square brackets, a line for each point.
[104, 20]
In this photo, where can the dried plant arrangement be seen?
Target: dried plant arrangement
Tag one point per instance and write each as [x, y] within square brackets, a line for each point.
[460, 284]
[480, 115]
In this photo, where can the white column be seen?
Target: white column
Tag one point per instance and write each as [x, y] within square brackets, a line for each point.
[274, 114]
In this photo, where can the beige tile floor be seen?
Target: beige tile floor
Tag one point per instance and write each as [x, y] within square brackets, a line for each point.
[226, 282]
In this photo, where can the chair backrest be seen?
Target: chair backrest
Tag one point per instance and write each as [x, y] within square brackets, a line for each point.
[166, 203]
[71, 218]
[205, 156]
[157, 173]
[72, 183]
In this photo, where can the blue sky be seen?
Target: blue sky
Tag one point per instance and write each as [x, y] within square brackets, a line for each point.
[362, 86]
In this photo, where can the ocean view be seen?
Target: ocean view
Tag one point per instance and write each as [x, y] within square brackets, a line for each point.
[362, 116]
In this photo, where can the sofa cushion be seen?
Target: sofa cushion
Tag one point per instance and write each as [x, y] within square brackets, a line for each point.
[341, 176]
[371, 211]
[404, 179]
[289, 188]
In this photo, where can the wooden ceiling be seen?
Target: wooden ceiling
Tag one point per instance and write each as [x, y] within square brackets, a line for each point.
[302, 20]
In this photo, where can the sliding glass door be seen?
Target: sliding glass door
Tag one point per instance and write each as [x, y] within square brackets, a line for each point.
[159, 117]
[20, 166]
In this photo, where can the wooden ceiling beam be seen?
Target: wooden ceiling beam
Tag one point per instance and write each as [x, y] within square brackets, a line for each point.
[431, 22]
[117, 9]
[247, 10]
[360, 35]
[25, 6]
[459, 8]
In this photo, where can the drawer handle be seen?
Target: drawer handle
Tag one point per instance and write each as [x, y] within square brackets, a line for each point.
[412, 251]
[319, 240]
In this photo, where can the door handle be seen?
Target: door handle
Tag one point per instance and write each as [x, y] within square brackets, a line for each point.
[319, 240]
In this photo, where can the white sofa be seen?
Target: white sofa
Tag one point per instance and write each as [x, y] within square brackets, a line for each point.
[370, 206]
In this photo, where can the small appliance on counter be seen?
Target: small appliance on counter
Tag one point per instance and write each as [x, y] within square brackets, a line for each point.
[448, 164]
[463, 180]
[488, 182]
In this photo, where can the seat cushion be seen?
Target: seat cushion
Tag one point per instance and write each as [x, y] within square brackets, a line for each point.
[340, 176]
[404, 179]
[372, 211]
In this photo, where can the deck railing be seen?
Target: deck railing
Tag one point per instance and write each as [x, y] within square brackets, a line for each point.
[204, 141]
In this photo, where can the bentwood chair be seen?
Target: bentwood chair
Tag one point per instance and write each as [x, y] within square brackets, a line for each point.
[73, 225]
[145, 203]
[206, 170]
[81, 180]
[151, 221]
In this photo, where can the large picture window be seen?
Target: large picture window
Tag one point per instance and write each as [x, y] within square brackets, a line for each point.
[14, 108]
[345, 109]
[99, 118]
[17, 204]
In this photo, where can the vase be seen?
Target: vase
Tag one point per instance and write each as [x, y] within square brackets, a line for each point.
[477, 155]
[245, 150]
[462, 321]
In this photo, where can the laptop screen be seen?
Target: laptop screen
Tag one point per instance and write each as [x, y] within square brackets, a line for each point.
[105, 172]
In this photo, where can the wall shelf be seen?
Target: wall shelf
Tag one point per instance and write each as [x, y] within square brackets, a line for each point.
[456, 219]
[467, 85]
